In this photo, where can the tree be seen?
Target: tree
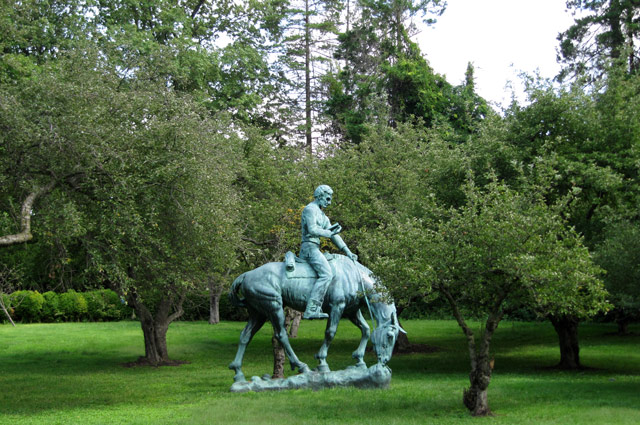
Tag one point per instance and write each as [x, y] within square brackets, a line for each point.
[586, 143]
[606, 31]
[385, 79]
[501, 250]
[146, 174]
[618, 254]
[303, 50]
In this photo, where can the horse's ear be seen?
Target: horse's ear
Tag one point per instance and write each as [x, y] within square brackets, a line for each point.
[394, 319]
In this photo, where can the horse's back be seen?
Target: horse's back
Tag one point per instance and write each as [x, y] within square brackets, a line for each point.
[262, 283]
[270, 286]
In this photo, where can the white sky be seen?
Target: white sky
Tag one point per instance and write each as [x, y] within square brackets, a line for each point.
[501, 38]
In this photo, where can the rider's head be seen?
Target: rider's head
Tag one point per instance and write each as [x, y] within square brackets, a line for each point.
[323, 195]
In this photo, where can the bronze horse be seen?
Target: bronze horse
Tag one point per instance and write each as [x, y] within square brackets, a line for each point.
[265, 292]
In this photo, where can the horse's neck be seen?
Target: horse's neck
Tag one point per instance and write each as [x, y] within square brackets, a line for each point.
[380, 308]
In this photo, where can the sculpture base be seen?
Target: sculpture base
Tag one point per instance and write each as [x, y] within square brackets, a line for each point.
[377, 376]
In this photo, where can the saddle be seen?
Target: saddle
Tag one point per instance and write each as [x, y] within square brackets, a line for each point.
[296, 267]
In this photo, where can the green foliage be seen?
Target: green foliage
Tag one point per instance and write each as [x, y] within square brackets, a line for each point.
[72, 305]
[196, 308]
[105, 305]
[55, 370]
[619, 255]
[27, 305]
[51, 308]
[501, 246]
[605, 31]
[99, 305]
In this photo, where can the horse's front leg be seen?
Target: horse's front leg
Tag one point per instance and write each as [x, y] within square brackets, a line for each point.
[280, 331]
[253, 325]
[332, 326]
[362, 324]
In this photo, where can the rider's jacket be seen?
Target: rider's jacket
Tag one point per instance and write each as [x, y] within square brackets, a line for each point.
[314, 223]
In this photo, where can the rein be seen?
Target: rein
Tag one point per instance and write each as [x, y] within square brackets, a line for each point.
[364, 293]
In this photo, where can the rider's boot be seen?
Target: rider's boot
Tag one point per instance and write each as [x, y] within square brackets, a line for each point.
[314, 311]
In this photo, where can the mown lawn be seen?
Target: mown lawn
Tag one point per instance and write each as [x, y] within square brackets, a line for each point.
[73, 374]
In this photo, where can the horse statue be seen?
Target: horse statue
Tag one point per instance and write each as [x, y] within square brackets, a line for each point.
[266, 290]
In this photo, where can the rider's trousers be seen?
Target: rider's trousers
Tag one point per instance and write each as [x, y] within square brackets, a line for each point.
[311, 252]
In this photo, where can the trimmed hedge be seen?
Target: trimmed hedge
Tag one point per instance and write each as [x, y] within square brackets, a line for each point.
[27, 305]
[98, 306]
[101, 305]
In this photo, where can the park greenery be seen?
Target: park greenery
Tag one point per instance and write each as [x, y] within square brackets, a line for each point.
[73, 373]
[159, 149]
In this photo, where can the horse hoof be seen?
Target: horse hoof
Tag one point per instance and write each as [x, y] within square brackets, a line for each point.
[239, 378]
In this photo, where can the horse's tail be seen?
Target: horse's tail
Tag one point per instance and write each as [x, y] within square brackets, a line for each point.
[234, 297]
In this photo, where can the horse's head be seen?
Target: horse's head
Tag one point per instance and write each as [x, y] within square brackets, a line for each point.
[384, 338]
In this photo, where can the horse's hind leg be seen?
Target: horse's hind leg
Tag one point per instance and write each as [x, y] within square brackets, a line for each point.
[253, 325]
[362, 324]
[279, 330]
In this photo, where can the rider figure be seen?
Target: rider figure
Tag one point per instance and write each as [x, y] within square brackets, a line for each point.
[315, 225]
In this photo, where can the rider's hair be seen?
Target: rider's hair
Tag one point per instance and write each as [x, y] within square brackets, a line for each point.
[321, 190]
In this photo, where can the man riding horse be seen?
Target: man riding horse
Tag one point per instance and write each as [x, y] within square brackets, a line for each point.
[315, 224]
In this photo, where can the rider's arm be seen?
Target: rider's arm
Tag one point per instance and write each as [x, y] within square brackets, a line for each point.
[313, 228]
[342, 246]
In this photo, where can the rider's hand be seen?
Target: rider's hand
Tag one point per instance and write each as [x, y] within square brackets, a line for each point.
[335, 229]
[350, 254]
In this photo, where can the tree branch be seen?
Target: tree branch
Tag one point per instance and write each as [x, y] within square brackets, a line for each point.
[197, 9]
[179, 310]
[259, 243]
[465, 328]
[25, 217]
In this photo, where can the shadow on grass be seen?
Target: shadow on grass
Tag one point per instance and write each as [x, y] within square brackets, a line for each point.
[38, 378]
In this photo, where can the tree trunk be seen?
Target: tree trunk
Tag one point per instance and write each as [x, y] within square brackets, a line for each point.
[155, 327]
[623, 325]
[296, 316]
[307, 78]
[278, 358]
[475, 398]
[402, 342]
[215, 291]
[278, 352]
[567, 329]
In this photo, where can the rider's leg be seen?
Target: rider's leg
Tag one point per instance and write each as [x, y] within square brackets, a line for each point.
[314, 304]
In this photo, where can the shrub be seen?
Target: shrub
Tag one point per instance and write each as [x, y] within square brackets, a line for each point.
[105, 305]
[73, 305]
[27, 305]
[51, 309]
[96, 306]
[231, 312]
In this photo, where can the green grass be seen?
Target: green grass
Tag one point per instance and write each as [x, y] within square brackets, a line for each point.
[73, 374]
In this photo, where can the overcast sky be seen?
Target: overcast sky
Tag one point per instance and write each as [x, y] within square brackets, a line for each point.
[500, 37]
